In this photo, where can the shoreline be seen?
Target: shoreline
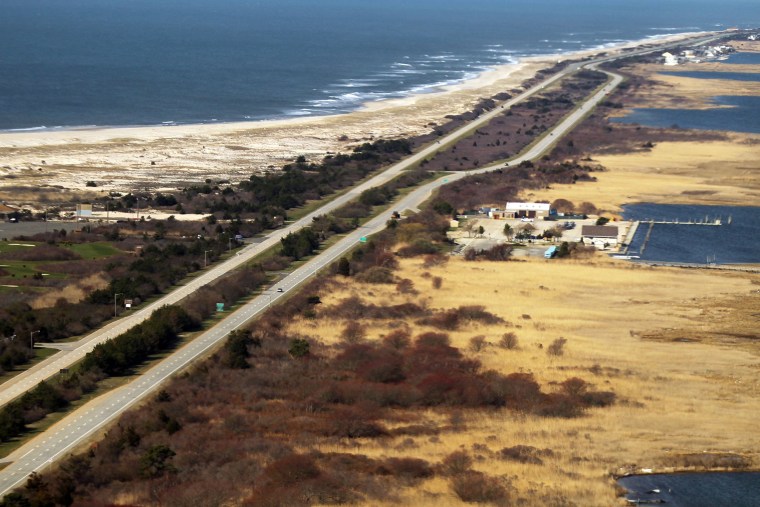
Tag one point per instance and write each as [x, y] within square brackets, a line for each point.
[64, 166]
[485, 78]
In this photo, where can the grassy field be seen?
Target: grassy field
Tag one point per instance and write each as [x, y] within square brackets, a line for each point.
[97, 250]
[631, 329]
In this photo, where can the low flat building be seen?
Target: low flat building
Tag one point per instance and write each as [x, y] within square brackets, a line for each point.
[601, 236]
[6, 211]
[527, 210]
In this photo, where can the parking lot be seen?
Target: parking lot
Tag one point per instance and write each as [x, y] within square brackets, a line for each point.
[493, 232]
[9, 230]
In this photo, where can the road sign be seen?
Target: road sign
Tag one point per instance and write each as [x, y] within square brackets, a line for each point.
[363, 239]
[445, 180]
[127, 303]
[220, 307]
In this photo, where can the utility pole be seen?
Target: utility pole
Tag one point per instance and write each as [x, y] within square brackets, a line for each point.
[114, 301]
[31, 338]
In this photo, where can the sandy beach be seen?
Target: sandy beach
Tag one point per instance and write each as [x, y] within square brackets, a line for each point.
[53, 165]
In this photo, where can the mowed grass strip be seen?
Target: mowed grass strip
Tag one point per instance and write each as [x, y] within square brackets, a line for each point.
[98, 250]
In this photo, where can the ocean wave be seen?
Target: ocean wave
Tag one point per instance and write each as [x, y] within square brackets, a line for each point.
[677, 29]
[28, 129]
[357, 83]
[444, 57]
[299, 112]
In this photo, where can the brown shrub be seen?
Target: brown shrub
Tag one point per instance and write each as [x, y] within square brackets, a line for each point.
[478, 313]
[477, 487]
[560, 405]
[501, 252]
[478, 343]
[457, 462]
[556, 348]
[519, 391]
[436, 259]
[292, 469]
[587, 208]
[525, 454]
[376, 274]
[397, 339]
[574, 387]
[508, 341]
[418, 247]
[448, 319]
[432, 339]
[354, 332]
[437, 282]
[405, 286]
[598, 398]
[355, 422]
[409, 468]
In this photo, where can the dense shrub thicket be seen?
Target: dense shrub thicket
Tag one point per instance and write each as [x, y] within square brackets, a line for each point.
[114, 357]
[326, 395]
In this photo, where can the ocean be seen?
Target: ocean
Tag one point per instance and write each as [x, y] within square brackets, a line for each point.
[80, 63]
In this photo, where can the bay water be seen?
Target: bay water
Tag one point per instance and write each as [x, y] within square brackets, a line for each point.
[686, 240]
[730, 489]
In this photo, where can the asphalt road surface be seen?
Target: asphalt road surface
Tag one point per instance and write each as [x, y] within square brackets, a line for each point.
[66, 435]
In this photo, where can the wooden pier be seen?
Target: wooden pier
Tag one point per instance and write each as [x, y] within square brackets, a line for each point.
[712, 223]
[715, 222]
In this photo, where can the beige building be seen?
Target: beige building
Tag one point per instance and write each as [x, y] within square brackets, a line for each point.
[601, 236]
[527, 210]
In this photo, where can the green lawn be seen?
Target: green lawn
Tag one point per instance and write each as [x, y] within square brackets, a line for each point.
[97, 250]
[12, 246]
[25, 269]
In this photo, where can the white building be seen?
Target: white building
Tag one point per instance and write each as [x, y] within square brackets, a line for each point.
[670, 59]
[527, 210]
[601, 236]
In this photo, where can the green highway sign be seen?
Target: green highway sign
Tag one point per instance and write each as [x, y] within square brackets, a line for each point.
[363, 239]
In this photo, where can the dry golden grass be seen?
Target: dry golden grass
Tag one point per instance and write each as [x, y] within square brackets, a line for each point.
[679, 92]
[673, 397]
[712, 172]
[73, 293]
